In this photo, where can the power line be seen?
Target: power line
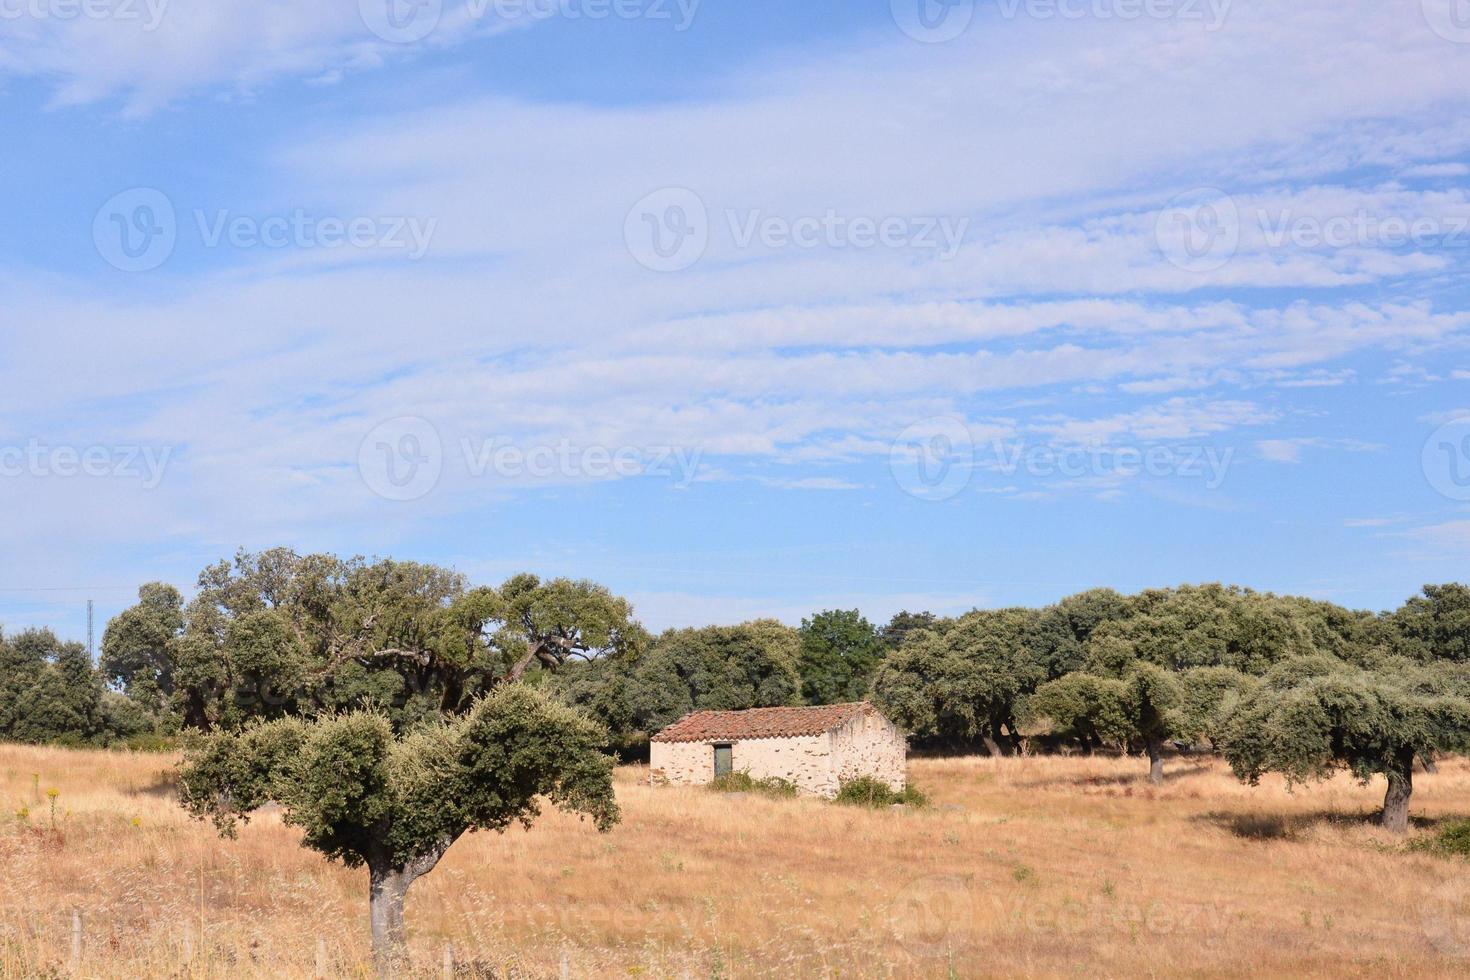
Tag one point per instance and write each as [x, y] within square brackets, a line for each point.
[70, 588]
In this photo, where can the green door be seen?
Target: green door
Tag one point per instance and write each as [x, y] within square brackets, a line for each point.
[723, 761]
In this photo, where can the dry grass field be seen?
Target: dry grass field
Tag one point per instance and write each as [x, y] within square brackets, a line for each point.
[1036, 867]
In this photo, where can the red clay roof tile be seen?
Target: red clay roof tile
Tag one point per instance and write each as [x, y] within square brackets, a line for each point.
[732, 726]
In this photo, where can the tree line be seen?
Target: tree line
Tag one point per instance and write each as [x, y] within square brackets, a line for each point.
[1274, 683]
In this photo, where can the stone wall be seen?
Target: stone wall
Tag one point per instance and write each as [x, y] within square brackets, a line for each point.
[870, 745]
[806, 761]
[681, 763]
[866, 746]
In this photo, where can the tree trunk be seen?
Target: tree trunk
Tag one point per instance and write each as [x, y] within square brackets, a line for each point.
[387, 889]
[388, 885]
[992, 747]
[518, 670]
[1396, 800]
[1011, 738]
[1155, 760]
[998, 742]
[1430, 766]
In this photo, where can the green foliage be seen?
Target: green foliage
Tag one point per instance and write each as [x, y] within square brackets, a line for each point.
[147, 742]
[549, 623]
[870, 792]
[1207, 696]
[728, 668]
[966, 682]
[125, 720]
[1144, 704]
[135, 645]
[743, 782]
[1452, 840]
[1199, 626]
[1436, 624]
[1061, 632]
[276, 634]
[1312, 716]
[1089, 708]
[49, 691]
[840, 650]
[902, 624]
[361, 795]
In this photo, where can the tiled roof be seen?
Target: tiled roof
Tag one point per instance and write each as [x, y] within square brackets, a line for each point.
[731, 726]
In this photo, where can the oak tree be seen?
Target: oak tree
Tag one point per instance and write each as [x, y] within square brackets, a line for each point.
[1314, 716]
[1140, 707]
[964, 683]
[363, 796]
[840, 650]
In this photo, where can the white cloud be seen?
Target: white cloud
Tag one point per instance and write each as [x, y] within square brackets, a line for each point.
[1449, 537]
[1281, 450]
[1174, 420]
[1290, 450]
[1433, 170]
[530, 321]
[1440, 418]
[1375, 521]
[148, 53]
[811, 483]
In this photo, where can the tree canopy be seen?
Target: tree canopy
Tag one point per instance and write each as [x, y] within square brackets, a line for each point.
[840, 650]
[277, 634]
[1312, 716]
[1201, 626]
[136, 645]
[1435, 625]
[966, 682]
[48, 690]
[727, 668]
[363, 796]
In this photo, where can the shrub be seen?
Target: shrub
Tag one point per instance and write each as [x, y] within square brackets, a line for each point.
[149, 743]
[743, 782]
[1452, 840]
[867, 791]
[1455, 839]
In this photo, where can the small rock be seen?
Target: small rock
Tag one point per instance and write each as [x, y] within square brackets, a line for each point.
[735, 796]
[898, 806]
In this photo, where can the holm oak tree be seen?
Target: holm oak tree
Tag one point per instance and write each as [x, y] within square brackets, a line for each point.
[363, 796]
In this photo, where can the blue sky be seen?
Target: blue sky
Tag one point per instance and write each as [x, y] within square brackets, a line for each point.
[742, 309]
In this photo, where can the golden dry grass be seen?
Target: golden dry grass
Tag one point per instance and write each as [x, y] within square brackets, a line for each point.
[1038, 867]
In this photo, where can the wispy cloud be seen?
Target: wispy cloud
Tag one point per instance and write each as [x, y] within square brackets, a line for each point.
[1290, 450]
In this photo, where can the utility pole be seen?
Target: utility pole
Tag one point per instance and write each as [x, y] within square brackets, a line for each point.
[91, 647]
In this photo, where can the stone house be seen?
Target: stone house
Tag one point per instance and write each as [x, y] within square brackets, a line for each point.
[817, 748]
